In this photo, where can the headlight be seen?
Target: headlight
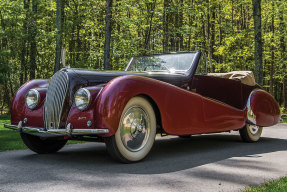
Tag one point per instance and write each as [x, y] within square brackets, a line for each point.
[82, 99]
[32, 98]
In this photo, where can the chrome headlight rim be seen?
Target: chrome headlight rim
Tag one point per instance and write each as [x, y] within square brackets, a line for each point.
[86, 106]
[38, 98]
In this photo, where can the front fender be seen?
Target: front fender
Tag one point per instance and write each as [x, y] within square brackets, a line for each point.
[173, 103]
[18, 108]
[262, 109]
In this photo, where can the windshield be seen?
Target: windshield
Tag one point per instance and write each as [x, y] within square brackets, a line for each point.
[178, 62]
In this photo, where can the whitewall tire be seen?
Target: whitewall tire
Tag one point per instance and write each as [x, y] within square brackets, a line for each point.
[250, 133]
[136, 132]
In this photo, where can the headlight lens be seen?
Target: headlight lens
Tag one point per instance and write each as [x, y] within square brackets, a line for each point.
[32, 98]
[82, 99]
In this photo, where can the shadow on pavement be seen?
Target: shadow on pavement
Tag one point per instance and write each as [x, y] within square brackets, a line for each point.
[168, 155]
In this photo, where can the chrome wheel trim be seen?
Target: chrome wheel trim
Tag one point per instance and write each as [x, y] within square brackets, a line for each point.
[253, 129]
[135, 128]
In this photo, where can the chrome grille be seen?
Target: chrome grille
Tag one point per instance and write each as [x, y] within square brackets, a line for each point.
[55, 99]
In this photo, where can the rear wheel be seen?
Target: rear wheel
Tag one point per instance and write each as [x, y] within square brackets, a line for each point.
[42, 146]
[136, 132]
[250, 133]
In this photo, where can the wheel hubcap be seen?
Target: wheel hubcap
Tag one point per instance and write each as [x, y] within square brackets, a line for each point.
[253, 129]
[135, 128]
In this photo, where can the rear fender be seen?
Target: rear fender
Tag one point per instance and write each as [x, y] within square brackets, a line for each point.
[262, 109]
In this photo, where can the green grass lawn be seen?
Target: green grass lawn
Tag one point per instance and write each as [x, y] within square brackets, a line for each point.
[11, 140]
[284, 119]
[272, 186]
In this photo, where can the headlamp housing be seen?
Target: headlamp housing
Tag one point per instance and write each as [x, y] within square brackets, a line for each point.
[82, 99]
[32, 99]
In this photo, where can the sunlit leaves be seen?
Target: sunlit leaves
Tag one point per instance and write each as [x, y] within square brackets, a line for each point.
[137, 29]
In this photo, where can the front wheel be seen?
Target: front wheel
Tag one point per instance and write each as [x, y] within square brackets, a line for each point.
[42, 146]
[250, 133]
[136, 132]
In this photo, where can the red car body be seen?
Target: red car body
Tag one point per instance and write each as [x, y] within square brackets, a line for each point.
[193, 104]
[181, 111]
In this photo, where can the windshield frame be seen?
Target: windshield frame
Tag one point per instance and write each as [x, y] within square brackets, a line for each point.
[195, 58]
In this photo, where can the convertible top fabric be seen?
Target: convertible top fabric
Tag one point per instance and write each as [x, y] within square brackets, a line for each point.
[246, 77]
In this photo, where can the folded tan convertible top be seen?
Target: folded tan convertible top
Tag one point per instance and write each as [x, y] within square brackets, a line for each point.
[246, 77]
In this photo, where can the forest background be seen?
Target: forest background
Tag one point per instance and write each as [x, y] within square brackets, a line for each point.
[98, 34]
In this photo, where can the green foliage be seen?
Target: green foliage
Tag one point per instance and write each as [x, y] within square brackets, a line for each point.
[272, 186]
[284, 119]
[221, 29]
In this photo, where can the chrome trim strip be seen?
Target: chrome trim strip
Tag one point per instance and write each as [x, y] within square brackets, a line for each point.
[91, 131]
[13, 127]
[128, 66]
[64, 132]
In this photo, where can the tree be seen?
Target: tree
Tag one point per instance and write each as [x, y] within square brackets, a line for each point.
[166, 21]
[59, 22]
[32, 38]
[258, 41]
[282, 45]
[272, 53]
[106, 34]
[23, 72]
[108, 31]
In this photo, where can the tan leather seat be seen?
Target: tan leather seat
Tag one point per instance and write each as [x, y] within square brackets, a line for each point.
[246, 77]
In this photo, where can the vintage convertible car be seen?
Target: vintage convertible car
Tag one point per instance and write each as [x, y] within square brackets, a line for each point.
[167, 94]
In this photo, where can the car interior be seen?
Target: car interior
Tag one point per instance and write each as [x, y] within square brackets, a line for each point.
[231, 88]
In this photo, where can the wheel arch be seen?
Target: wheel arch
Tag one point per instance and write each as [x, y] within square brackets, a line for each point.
[156, 110]
[116, 94]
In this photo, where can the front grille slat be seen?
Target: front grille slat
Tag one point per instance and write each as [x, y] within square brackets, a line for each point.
[55, 99]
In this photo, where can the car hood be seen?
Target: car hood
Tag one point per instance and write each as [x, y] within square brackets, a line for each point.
[84, 78]
[93, 77]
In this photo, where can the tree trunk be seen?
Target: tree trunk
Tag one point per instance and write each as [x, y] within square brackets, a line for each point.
[272, 53]
[11, 88]
[24, 42]
[282, 45]
[59, 23]
[165, 25]
[72, 42]
[232, 12]
[7, 95]
[212, 35]
[5, 69]
[33, 43]
[258, 41]
[285, 92]
[207, 35]
[220, 59]
[150, 10]
[108, 30]
[180, 36]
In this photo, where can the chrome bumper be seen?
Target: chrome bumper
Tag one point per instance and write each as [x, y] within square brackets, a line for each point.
[69, 131]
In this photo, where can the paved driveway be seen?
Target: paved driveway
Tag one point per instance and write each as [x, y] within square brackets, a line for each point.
[219, 162]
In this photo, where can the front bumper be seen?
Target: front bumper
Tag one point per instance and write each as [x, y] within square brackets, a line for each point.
[69, 131]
